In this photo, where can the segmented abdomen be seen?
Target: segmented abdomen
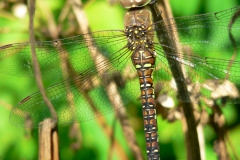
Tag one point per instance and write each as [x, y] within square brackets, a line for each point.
[144, 62]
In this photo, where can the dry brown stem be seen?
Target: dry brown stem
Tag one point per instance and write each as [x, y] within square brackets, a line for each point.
[193, 150]
[48, 140]
[217, 121]
[36, 67]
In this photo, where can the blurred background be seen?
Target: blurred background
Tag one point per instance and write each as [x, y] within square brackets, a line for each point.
[91, 142]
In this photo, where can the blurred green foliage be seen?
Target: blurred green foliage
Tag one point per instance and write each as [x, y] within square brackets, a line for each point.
[17, 143]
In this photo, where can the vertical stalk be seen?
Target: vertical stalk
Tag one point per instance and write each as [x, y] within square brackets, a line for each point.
[192, 138]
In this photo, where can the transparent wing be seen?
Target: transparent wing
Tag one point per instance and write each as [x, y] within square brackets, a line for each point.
[205, 77]
[90, 92]
[15, 59]
[204, 33]
[208, 35]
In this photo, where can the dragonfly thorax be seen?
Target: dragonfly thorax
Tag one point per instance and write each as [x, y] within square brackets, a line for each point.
[138, 37]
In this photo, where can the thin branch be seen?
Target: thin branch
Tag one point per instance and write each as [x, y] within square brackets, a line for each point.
[217, 121]
[176, 69]
[36, 67]
[167, 14]
[232, 39]
[48, 136]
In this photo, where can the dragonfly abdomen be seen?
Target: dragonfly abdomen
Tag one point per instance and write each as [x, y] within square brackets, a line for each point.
[144, 61]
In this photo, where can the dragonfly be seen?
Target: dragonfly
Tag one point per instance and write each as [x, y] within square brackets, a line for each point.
[114, 65]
